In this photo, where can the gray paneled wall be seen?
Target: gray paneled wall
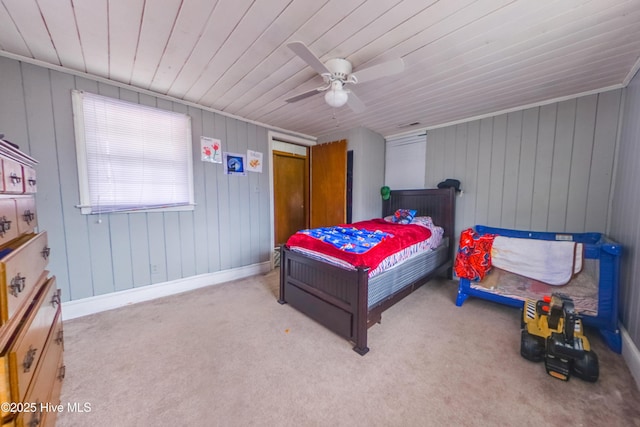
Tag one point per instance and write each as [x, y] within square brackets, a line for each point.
[94, 255]
[625, 226]
[551, 168]
[548, 168]
[368, 173]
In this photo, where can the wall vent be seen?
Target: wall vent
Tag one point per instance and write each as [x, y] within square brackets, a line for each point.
[406, 125]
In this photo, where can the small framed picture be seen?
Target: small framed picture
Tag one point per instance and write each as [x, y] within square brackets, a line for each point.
[254, 161]
[234, 163]
[211, 149]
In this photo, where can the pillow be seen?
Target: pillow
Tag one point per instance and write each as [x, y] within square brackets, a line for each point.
[436, 232]
[404, 216]
[424, 221]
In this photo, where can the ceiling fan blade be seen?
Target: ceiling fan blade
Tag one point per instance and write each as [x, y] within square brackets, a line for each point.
[356, 105]
[309, 57]
[304, 95]
[384, 69]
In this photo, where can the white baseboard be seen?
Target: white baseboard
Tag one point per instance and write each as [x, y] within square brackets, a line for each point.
[91, 305]
[631, 355]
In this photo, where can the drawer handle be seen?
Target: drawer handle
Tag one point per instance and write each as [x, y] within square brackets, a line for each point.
[29, 358]
[46, 251]
[36, 418]
[17, 284]
[28, 216]
[5, 225]
[60, 337]
[15, 179]
[32, 182]
[61, 372]
[55, 299]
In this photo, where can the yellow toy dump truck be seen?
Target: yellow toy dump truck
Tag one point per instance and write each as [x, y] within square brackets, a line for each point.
[552, 331]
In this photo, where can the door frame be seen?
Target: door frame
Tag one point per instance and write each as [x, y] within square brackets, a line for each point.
[272, 136]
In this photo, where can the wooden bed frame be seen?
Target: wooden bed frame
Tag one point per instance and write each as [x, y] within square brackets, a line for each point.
[337, 297]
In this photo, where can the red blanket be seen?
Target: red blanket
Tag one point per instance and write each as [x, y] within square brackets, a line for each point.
[404, 235]
[473, 260]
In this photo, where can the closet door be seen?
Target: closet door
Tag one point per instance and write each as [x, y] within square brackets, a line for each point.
[290, 182]
[328, 184]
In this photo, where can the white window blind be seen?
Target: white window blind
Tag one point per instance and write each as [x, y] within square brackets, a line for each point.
[405, 162]
[130, 156]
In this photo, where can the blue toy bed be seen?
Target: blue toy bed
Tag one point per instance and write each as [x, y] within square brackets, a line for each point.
[594, 290]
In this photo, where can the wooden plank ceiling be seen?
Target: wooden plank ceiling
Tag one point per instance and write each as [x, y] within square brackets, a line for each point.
[463, 58]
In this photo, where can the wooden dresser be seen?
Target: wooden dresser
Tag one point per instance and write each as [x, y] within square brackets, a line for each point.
[31, 338]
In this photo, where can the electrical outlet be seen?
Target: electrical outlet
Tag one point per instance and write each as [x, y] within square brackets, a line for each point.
[154, 268]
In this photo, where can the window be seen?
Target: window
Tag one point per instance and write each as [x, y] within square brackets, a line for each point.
[405, 160]
[130, 156]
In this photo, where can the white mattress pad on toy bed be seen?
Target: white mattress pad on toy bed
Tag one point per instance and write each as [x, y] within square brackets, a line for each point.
[583, 288]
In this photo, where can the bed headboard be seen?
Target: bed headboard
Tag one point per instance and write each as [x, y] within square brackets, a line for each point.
[438, 203]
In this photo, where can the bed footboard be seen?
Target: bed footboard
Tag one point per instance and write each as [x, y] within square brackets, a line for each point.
[333, 296]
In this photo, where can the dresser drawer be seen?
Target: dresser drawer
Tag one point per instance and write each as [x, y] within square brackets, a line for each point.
[57, 346]
[27, 349]
[26, 217]
[8, 221]
[46, 385]
[12, 176]
[20, 270]
[30, 182]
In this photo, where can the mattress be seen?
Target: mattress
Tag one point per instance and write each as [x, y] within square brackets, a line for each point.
[405, 273]
[583, 287]
[433, 236]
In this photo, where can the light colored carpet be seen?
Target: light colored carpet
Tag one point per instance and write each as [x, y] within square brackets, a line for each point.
[230, 355]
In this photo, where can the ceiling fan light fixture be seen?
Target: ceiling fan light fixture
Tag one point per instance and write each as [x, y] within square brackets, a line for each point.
[336, 96]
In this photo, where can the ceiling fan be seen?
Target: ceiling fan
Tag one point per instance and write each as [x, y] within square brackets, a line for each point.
[339, 72]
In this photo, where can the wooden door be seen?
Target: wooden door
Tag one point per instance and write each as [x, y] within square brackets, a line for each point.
[328, 184]
[290, 183]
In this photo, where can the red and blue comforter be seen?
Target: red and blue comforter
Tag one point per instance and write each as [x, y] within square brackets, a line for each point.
[361, 244]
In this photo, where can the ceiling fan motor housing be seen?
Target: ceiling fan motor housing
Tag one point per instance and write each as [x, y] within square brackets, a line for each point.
[340, 68]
